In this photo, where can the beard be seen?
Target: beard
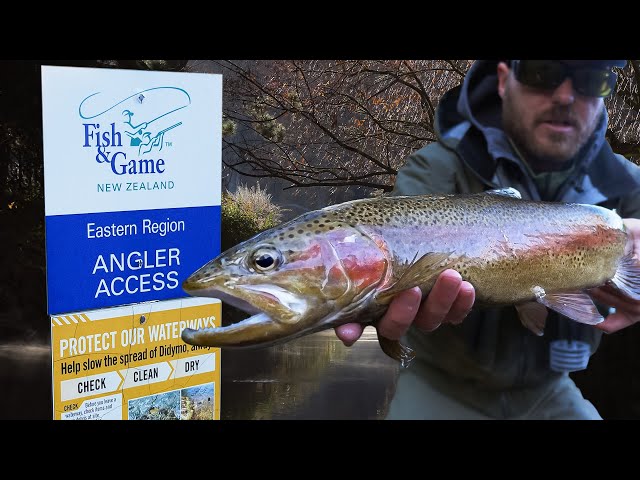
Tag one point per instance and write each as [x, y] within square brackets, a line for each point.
[555, 150]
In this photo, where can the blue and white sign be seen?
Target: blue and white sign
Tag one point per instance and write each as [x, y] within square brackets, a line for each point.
[132, 169]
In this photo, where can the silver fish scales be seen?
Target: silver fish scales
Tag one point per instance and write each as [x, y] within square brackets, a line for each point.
[344, 263]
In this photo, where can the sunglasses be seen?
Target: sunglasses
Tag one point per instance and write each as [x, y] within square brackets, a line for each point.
[549, 74]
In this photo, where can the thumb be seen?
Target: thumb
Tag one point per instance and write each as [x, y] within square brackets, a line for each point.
[349, 333]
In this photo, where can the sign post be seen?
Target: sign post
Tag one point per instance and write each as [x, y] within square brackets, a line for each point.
[132, 166]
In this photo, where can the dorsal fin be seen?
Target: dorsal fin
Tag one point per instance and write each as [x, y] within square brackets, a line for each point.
[507, 192]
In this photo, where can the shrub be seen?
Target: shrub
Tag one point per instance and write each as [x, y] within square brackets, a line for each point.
[245, 213]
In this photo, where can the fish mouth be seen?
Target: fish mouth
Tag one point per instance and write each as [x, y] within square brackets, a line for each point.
[232, 300]
[275, 312]
[289, 306]
[255, 330]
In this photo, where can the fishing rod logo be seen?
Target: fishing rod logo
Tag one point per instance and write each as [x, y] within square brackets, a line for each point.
[129, 135]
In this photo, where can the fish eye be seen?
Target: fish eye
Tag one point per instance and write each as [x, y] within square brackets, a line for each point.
[265, 259]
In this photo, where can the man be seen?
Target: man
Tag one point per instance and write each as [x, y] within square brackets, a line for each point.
[538, 126]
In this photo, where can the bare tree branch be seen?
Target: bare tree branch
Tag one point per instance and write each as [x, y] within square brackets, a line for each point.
[331, 122]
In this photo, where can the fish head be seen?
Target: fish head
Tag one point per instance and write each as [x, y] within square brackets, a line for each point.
[300, 277]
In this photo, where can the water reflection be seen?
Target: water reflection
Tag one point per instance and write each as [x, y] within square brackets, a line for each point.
[25, 380]
[313, 377]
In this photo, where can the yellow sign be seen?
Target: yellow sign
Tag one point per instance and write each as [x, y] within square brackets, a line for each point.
[130, 363]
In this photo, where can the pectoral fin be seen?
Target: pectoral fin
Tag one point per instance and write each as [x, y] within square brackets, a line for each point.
[533, 315]
[396, 350]
[421, 272]
[577, 306]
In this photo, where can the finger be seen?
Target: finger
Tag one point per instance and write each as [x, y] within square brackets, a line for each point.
[632, 226]
[602, 296]
[613, 298]
[614, 322]
[400, 314]
[349, 333]
[462, 304]
[437, 305]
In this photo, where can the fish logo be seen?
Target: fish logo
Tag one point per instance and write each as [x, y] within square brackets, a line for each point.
[146, 117]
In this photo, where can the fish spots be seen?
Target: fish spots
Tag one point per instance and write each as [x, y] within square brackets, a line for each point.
[426, 210]
[502, 246]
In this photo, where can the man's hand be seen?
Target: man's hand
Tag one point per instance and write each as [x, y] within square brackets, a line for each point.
[627, 310]
[449, 301]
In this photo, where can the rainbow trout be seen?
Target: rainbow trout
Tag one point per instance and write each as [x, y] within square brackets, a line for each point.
[344, 263]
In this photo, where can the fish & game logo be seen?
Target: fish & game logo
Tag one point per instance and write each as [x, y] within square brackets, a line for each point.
[130, 211]
[131, 136]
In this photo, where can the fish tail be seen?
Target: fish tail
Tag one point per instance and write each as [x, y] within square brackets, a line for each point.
[627, 277]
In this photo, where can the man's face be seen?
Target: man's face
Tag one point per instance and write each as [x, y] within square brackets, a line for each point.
[548, 126]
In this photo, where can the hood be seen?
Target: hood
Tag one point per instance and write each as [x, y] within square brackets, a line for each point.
[476, 103]
[479, 101]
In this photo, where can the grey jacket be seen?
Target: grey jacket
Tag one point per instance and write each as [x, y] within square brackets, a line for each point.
[491, 349]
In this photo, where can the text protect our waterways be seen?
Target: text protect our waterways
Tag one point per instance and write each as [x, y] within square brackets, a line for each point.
[106, 341]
